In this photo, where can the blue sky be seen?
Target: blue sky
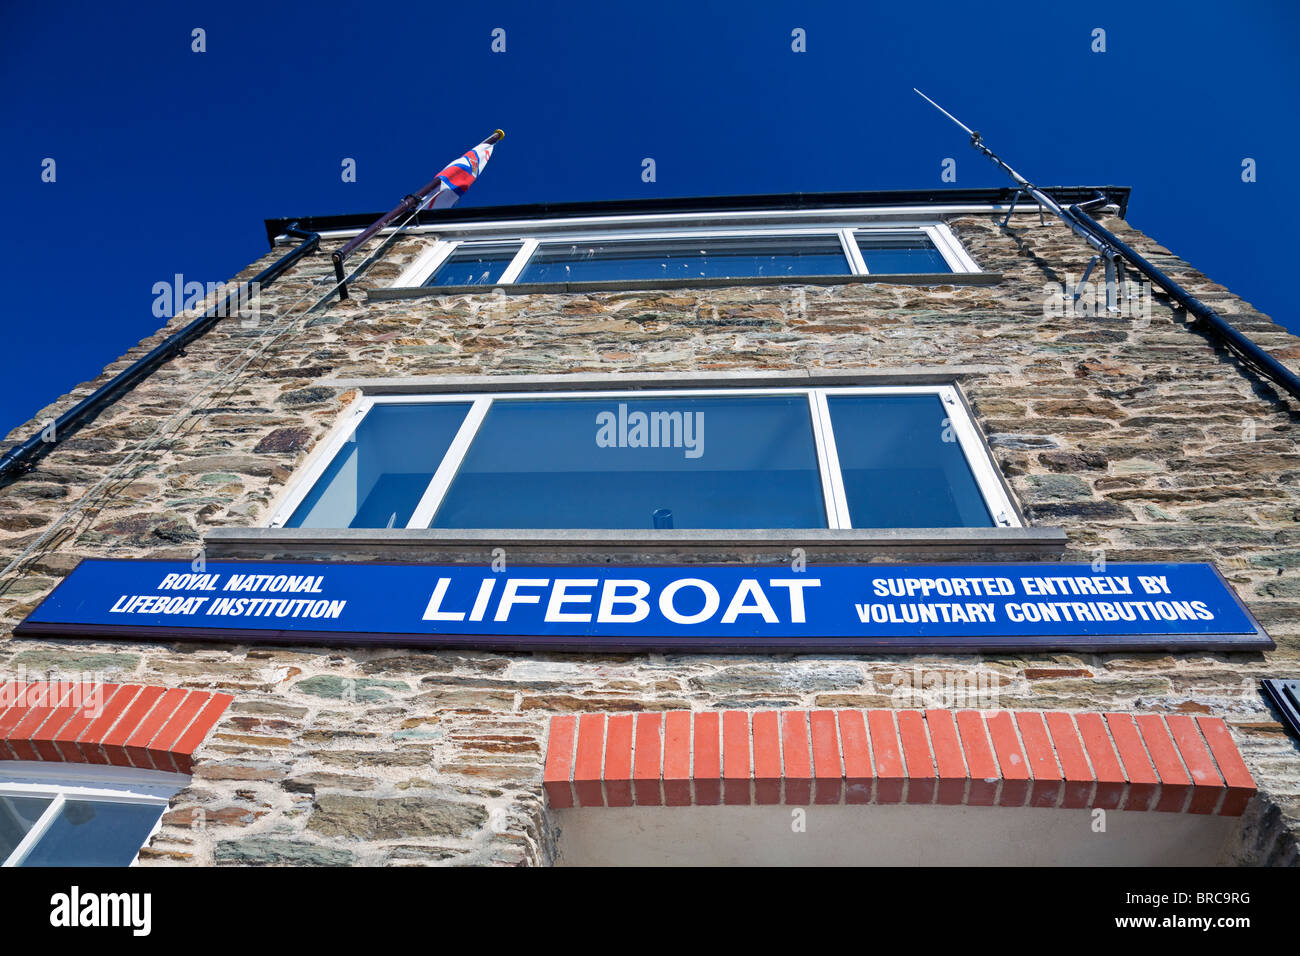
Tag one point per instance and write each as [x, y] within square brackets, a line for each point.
[167, 160]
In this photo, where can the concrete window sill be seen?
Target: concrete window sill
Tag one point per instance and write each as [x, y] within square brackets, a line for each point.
[677, 379]
[558, 288]
[599, 547]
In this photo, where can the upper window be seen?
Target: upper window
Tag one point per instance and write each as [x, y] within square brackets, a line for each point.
[899, 457]
[85, 816]
[709, 257]
[614, 256]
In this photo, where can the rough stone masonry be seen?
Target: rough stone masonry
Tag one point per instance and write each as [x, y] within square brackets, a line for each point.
[1136, 435]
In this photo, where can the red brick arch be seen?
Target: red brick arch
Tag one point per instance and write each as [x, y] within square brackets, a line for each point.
[124, 725]
[1168, 763]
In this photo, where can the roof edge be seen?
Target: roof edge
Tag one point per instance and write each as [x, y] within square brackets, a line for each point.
[614, 207]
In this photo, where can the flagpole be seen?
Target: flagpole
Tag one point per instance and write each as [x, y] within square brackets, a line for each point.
[409, 204]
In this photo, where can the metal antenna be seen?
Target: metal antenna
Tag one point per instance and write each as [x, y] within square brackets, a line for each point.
[1116, 252]
[973, 135]
[1104, 249]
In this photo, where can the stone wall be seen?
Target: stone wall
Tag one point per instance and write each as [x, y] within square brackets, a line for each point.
[1134, 434]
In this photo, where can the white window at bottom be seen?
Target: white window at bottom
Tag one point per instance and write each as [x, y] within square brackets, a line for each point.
[79, 815]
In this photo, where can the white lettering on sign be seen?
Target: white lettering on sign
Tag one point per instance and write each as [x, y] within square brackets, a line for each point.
[157, 604]
[669, 610]
[481, 602]
[609, 596]
[511, 596]
[978, 613]
[1080, 584]
[275, 582]
[560, 596]
[944, 587]
[433, 612]
[1154, 584]
[231, 606]
[749, 588]
[276, 607]
[1030, 612]
[189, 582]
[795, 586]
[1033, 612]
[623, 600]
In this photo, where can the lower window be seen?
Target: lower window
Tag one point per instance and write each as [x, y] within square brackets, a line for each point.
[783, 458]
[96, 820]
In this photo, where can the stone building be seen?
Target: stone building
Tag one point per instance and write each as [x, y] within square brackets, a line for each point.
[889, 379]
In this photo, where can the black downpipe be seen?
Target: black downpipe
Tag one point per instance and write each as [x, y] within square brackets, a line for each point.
[22, 458]
[1214, 323]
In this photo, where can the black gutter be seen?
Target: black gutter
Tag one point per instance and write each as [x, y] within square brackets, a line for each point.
[21, 458]
[687, 204]
[1213, 323]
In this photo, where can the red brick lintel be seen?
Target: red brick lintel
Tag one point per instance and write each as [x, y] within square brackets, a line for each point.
[1161, 762]
[124, 725]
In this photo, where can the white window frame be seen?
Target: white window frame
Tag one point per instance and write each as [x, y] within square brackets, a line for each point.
[432, 259]
[60, 783]
[986, 475]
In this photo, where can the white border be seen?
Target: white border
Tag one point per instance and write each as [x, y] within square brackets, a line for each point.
[431, 500]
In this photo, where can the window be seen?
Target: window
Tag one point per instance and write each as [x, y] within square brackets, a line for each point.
[896, 471]
[899, 252]
[780, 458]
[673, 462]
[87, 816]
[378, 477]
[625, 256]
[711, 257]
[474, 263]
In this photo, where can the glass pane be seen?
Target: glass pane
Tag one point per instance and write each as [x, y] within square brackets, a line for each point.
[95, 833]
[379, 475]
[686, 259]
[902, 464]
[676, 462]
[474, 265]
[17, 816]
[900, 253]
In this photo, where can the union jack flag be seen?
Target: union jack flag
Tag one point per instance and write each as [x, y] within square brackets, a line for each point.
[460, 175]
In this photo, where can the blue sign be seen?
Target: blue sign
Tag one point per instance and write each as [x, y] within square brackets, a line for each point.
[737, 608]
